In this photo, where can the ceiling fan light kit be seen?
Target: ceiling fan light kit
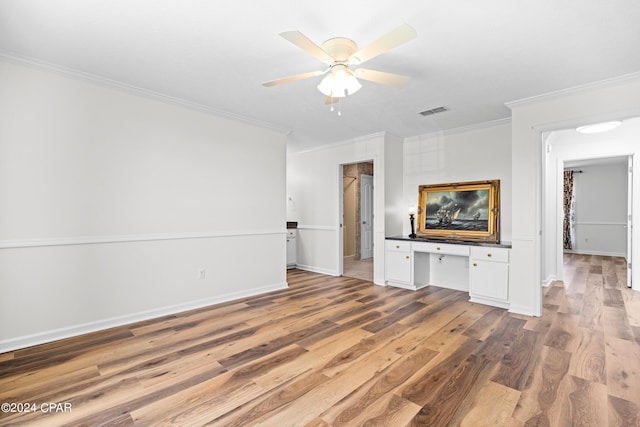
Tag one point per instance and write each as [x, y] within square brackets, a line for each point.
[339, 83]
[338, 53]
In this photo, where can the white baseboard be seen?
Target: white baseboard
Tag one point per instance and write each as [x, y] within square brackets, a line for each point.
[522, 310]
[600, 253]
[317, 269]
[72, 331]
[549, 280]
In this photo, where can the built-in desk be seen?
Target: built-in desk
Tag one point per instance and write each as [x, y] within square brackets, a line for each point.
[482, 269]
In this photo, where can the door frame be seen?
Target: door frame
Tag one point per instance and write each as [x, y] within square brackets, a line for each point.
[539, 141]
[372, 204]
[340, 216]
[629, 221]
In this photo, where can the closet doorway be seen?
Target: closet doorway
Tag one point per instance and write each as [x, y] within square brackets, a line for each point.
[358, 220]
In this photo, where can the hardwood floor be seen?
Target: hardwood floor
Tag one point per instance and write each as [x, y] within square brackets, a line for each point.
[338, 351]
[359, 269]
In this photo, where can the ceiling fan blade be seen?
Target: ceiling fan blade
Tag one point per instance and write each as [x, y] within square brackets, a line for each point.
[394, 38]
[395, 80]
[331, 100]
[304, 43]
[293, 78]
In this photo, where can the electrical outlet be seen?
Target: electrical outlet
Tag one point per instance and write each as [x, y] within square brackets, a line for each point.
[202, 273]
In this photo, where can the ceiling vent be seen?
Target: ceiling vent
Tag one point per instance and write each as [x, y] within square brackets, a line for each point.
[434, 111]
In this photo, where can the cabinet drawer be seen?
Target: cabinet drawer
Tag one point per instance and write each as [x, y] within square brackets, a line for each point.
[490, 254]
[441, 248]
[291, 234]
[398, 246]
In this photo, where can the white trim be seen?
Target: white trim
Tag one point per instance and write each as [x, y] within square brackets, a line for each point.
[341, 227]
[488, 301]
[549, 280]
[539, 161]
[92, 240]
[317, 270]
[624, 224]
[135, 90]
[524, 310]
[461, 129]
[318, 227]
[71, 331]
[600, 253]
[339, 143]
[573, 90]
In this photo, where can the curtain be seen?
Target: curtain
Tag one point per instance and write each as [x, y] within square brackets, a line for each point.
[567, 205]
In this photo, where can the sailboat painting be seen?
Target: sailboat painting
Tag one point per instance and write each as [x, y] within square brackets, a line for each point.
[460, 211]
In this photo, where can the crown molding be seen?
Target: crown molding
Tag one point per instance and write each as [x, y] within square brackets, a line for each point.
[461, 129]
[574, 90]
[381, 134]
[135, 90]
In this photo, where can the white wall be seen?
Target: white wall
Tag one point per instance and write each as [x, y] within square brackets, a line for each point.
[111, 203]
[601, 209]
[530, 118]
[314, 188]
[477, 154]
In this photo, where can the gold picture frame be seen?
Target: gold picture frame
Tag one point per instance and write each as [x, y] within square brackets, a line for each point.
[466, 211]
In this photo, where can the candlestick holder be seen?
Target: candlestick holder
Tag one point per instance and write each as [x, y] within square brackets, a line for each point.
[413, 227]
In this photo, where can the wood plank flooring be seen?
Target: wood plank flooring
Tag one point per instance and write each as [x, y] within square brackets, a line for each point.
[333, 351]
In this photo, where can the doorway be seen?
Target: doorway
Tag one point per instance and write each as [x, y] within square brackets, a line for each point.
[600, 210]
[358, 220]
[598, 230]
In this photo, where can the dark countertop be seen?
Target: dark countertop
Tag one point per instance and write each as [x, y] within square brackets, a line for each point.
[452, 242]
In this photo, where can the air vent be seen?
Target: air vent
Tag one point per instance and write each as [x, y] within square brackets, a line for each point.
[434, 111]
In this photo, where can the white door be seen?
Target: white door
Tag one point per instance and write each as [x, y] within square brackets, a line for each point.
[366, 216]
[629, 218]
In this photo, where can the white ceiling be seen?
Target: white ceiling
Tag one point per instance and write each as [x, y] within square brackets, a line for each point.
[471, 56]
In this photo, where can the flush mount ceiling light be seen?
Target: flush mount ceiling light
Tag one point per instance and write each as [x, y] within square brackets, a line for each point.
[599, 127]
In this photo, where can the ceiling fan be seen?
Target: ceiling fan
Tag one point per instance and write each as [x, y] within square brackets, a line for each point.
[339, 54]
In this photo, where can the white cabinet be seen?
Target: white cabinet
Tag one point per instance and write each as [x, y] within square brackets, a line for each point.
[483, 270]
[489, 276]
[398, 263]
[291, 248]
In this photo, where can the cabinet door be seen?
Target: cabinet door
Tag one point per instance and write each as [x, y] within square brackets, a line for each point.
[489, 279]
[398, 268]
[291, 250]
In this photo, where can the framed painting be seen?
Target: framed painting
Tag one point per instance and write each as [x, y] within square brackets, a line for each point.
[466, 211]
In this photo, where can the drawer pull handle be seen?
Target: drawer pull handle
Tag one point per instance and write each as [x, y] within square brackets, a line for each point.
[489, 255]
[397, 246]
[475, 265]
[407, 257]
[438, 248]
